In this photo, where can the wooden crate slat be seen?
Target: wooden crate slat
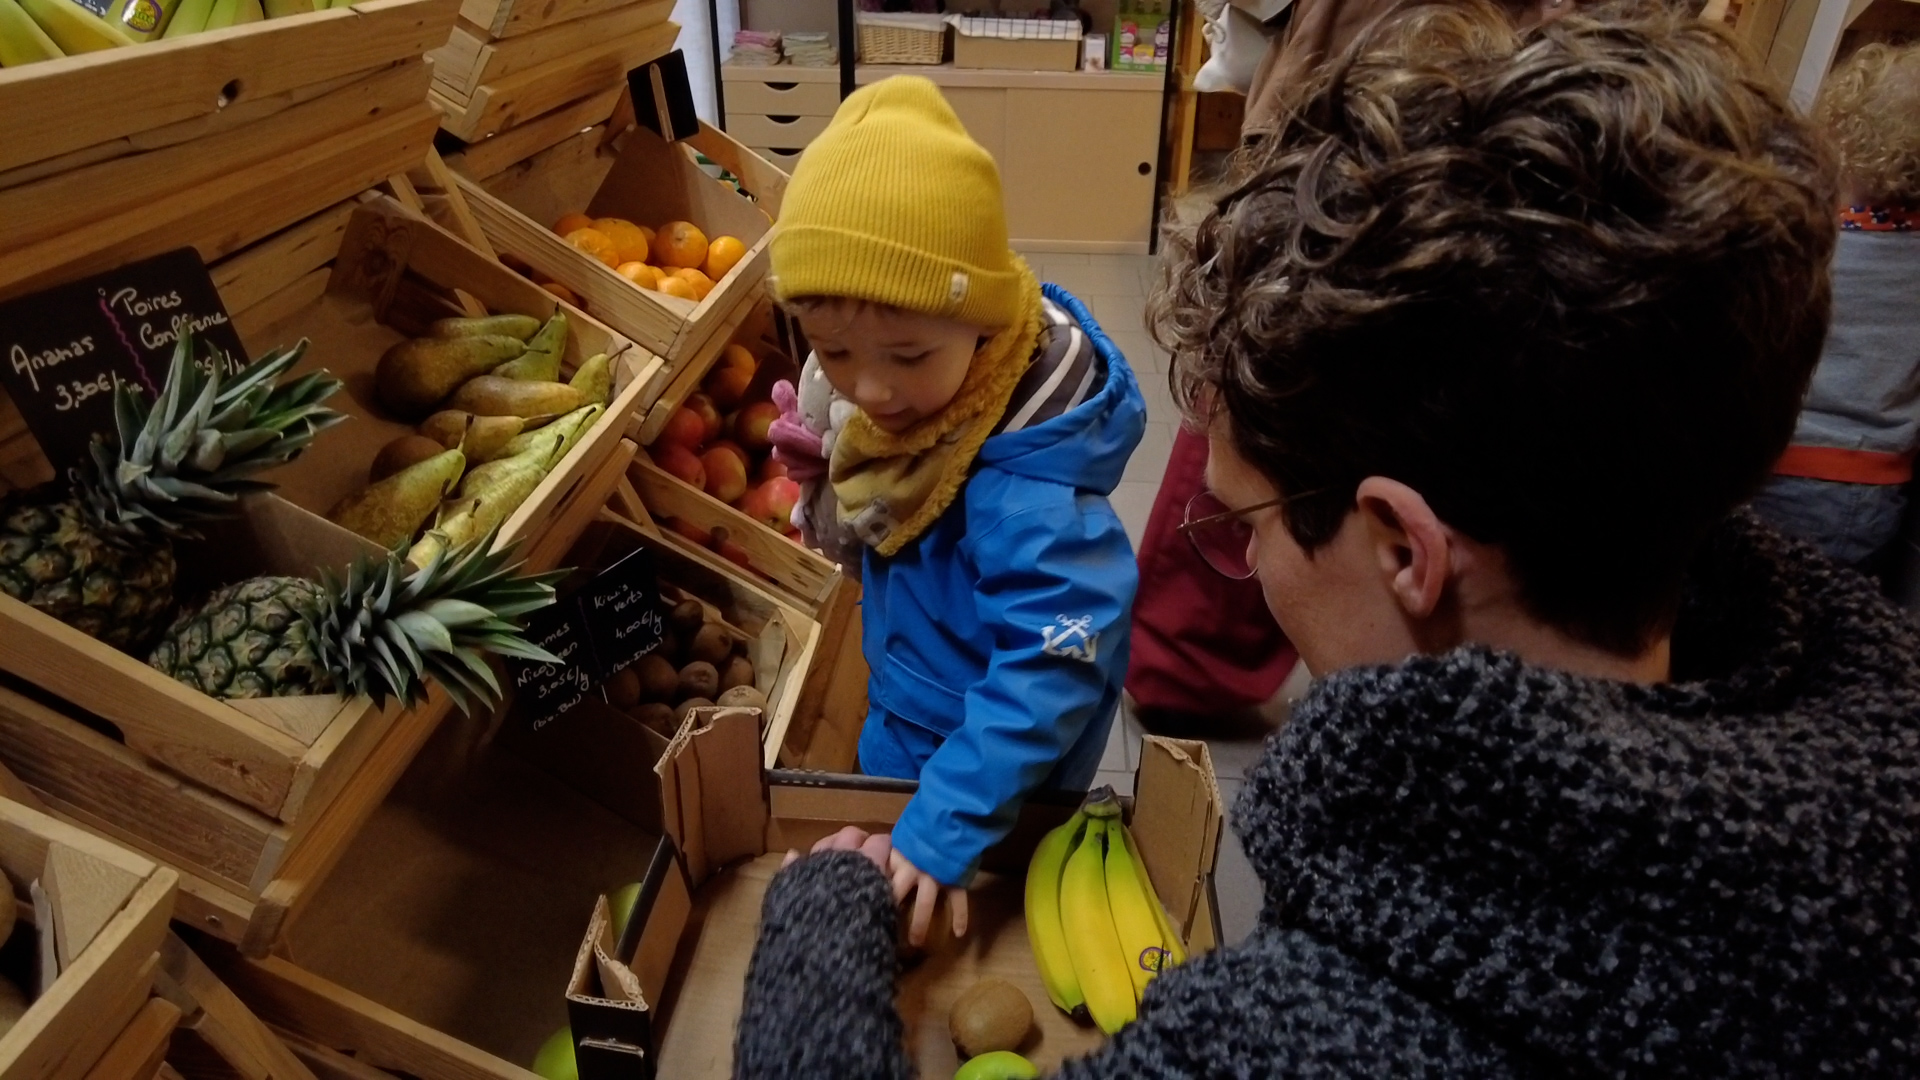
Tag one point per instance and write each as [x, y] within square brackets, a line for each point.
[555, 181]
[470, 60]
[499, 152]
[233, 210]
[112, 93]
[511, 18]
[805, 575]
[250, 276]
[526, 94]
[141, 1045]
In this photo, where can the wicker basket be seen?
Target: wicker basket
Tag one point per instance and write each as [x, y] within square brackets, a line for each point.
[897, 39]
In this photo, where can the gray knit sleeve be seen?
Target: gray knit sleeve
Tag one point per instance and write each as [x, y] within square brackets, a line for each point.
[819, 999]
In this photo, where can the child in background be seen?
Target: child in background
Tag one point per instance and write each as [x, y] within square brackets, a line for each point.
[991, 418]
[1842, 483]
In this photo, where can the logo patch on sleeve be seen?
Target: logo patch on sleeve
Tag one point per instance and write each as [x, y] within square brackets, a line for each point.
[1071, 638]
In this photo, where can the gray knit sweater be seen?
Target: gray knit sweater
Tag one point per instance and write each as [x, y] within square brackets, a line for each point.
[1474, 867]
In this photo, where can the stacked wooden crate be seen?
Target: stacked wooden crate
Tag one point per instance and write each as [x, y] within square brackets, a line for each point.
[552, 67]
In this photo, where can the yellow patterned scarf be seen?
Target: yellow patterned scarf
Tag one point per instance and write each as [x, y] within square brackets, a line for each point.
[890, 488]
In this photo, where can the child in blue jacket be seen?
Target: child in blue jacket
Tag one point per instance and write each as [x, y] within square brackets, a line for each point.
[977, 423]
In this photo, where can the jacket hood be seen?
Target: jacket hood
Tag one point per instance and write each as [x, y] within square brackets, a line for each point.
[1713, 876]
[1087, 446]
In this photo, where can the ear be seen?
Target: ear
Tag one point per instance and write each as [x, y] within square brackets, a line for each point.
[1413, 546]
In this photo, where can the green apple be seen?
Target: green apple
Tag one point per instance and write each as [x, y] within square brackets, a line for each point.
[620, 905]
[998, 1065]
[555, 1059]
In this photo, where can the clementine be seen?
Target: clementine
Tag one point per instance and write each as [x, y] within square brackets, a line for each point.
[640, 274]
[723, 255]
[595, 243]
[679, 244]
[631, 239]
[702, 284]
[570, 222]
[677, 286]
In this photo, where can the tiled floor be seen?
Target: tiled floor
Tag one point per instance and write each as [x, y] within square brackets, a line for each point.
[1115, 287]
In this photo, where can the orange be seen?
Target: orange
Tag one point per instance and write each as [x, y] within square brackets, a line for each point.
[679, 244]
[702, 284]
[640, 274]
[570, 222]
[563, 293]
[632, 240]
[595, 243]
[678, 286]
[723, 255]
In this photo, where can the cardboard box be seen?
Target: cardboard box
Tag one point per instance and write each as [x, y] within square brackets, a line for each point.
[728, 824]
[1141, 38]
[1003, 54]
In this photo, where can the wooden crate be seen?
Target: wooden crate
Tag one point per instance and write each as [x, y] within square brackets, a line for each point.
[117, 904]
[486, 84]
[651, 182]
[213, 141]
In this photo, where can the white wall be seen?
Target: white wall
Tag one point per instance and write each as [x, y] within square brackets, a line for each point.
[696, 41]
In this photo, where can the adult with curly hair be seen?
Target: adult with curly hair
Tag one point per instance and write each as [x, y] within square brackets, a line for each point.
[1842, 484]
[1601, 777]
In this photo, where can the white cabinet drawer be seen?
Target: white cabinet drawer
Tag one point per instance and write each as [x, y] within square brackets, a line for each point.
[784, 160]
[785, 132]
[782, 98]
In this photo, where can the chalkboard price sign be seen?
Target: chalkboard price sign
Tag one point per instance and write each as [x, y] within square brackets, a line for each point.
[61, 350]
[602, 629]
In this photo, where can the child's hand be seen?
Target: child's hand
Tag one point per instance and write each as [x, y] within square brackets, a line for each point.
[795, 445]
[876, 846]
[910, 879]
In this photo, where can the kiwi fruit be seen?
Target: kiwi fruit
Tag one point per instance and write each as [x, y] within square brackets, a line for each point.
[699, 680]
[660, 717]
[400, 453]
[737, 672]
[686, 618]
[711, 645]
[624, 688]
[687, 706]
[659, 679]
[744, 697]
[991, 1015]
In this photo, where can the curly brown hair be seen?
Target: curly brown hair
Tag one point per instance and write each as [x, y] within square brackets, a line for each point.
[1870, 108]
[1567, 282]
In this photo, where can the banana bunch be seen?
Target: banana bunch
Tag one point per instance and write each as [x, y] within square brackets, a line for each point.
[1098, 932]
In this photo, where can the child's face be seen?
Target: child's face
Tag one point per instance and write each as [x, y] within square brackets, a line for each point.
[900, 367]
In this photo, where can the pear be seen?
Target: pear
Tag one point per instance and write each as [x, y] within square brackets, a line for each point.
[513, 326]
[541, 361]
[414, 376]
[389, 512]
[494, 395]
[594, 379]
[571, 426]
[481, 438]
[489, 495]
[405, 451]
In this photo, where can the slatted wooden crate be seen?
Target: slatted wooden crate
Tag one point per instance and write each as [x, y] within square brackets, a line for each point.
[253, 800]
[510, 62]
[213, 141]
[113, 905]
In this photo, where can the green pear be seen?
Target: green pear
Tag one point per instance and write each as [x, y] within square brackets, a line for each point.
[541, 362]
[594, 379]
[513, 326]
[389, 512]
[481, 438]
[494, 395]
[413, 377]
[571, 427]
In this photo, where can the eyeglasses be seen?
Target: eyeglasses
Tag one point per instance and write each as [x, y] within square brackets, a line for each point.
[1222, 535]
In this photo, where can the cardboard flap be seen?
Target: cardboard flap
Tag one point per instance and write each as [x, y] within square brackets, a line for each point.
[1176, 822]
[713, 795]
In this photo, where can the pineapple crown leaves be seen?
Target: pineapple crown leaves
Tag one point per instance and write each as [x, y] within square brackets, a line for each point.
[385, 629]
[186, 457]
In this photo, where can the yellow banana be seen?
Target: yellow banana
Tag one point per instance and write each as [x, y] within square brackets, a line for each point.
[248, 11]
[1044, 932]
[188, 18]
[1131, 899]
[1176, 949]
[1092, 940]
[74, 28]
[21, 39]
[222, 14]
[280, 9]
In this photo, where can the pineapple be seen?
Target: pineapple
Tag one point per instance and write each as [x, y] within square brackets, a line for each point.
[100, 558]
[382, 631]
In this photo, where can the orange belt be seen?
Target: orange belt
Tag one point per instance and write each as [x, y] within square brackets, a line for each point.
[1845, 466]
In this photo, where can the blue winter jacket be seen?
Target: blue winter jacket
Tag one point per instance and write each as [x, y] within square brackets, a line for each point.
[998, 640]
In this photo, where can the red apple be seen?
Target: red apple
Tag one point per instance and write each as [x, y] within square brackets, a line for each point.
[726, 472]
[770, 468]
[751, 424]
[728, 385]
[682, 463]
[703, 406]
[685, 428]
[771, 504]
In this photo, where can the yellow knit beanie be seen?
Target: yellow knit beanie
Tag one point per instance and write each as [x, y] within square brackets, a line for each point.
[896, 204]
